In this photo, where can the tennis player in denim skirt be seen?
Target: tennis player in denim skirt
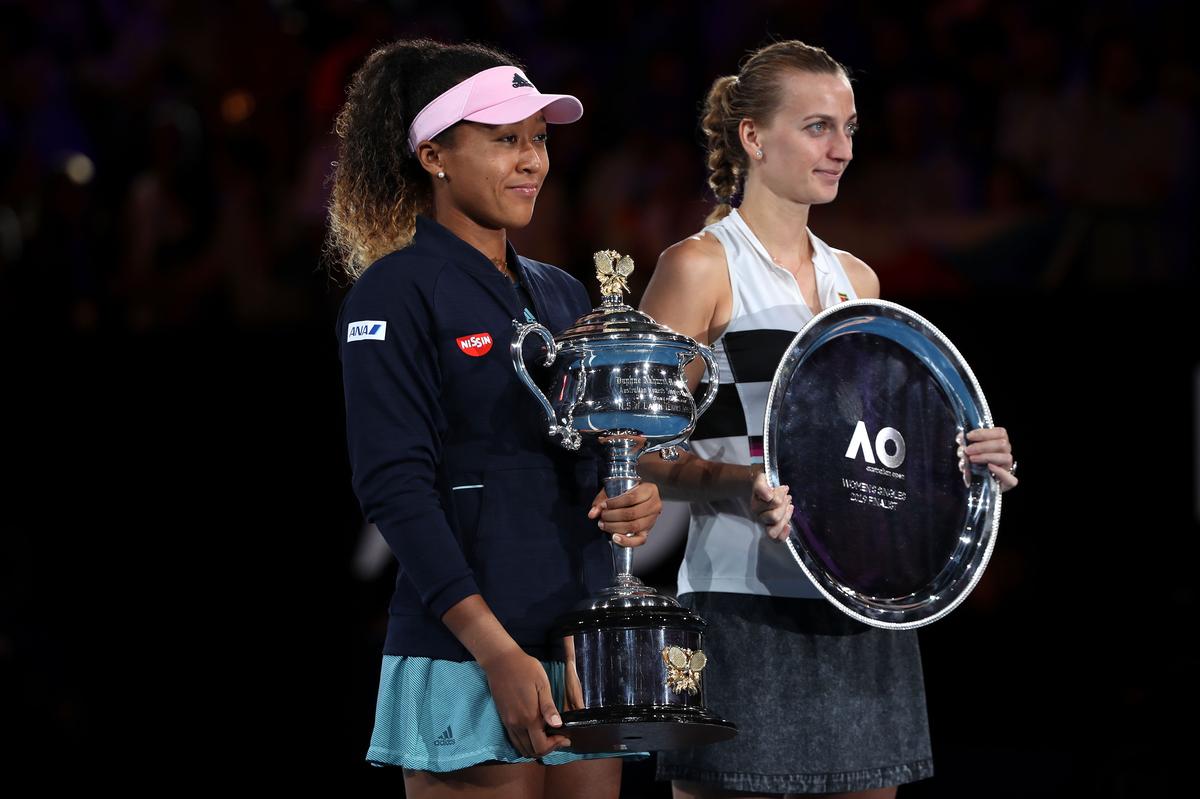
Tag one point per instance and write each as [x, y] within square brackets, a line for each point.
[442, 150]
[824, 704]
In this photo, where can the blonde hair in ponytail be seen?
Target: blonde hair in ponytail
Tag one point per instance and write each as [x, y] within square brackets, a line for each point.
[754, 93]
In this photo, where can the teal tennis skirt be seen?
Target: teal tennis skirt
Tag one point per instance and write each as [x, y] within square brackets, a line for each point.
[438, 715]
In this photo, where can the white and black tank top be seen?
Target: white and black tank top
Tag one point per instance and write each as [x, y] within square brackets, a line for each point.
[726, 550]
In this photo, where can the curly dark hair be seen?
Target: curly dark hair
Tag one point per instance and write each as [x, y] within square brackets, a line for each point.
[751, 94]
[378, 185]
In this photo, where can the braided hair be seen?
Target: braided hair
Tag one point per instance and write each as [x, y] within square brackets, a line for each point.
[754, 93]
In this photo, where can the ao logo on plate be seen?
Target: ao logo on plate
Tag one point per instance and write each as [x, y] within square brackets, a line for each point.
[861, 442]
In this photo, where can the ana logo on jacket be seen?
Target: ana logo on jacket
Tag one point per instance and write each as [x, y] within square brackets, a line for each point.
[476, 345]
[366, 330]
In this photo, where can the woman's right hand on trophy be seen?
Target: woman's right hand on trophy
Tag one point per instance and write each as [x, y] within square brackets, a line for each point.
[770, 506]
[628, 517]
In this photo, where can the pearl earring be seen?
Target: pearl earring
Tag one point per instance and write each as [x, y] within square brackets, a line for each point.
[759, 153]
[442, 175]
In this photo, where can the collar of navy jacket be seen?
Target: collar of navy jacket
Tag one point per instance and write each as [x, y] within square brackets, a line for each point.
[467, 296]
[539, 279]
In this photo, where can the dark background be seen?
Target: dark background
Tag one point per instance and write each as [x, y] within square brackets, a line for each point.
[178, 594]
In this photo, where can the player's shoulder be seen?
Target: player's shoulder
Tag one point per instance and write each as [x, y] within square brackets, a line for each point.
[861, 276]
[698, 255]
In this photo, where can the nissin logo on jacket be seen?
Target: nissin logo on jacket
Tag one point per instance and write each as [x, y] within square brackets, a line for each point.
[476, 344]
[366, 329]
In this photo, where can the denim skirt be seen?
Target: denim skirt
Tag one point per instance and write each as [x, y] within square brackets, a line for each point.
[823, 703]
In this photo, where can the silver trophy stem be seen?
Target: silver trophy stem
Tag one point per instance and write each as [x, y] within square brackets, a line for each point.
[620, 475]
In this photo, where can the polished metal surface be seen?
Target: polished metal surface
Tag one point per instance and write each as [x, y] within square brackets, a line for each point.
[624, 666]
[861, 424]
[634, 677]
[634, 663]
[641, 597]
[617, 370]
[618, 376]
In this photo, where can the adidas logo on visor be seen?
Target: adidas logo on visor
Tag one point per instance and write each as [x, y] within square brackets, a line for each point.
[519, 81]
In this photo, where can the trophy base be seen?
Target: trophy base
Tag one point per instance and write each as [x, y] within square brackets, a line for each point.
[634, 729]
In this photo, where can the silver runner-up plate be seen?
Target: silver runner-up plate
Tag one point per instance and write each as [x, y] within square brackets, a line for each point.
[861, 424]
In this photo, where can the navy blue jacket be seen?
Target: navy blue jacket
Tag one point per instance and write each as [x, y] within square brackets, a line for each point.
[449, 450]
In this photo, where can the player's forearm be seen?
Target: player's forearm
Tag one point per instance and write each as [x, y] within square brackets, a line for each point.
[478, 629]
[694, 479]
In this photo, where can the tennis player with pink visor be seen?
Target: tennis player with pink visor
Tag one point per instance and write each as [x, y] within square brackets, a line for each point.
[497, 532]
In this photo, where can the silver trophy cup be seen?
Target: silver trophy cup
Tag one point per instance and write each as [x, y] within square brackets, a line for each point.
[634, 656]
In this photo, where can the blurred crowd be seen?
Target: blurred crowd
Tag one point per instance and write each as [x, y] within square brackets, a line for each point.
[163, 164]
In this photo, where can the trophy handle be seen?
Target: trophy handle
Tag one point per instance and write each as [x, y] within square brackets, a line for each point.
[569, 437]
[714, 379]
[667, 450]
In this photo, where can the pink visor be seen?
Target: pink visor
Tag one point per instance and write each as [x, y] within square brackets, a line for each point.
[496, 96]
